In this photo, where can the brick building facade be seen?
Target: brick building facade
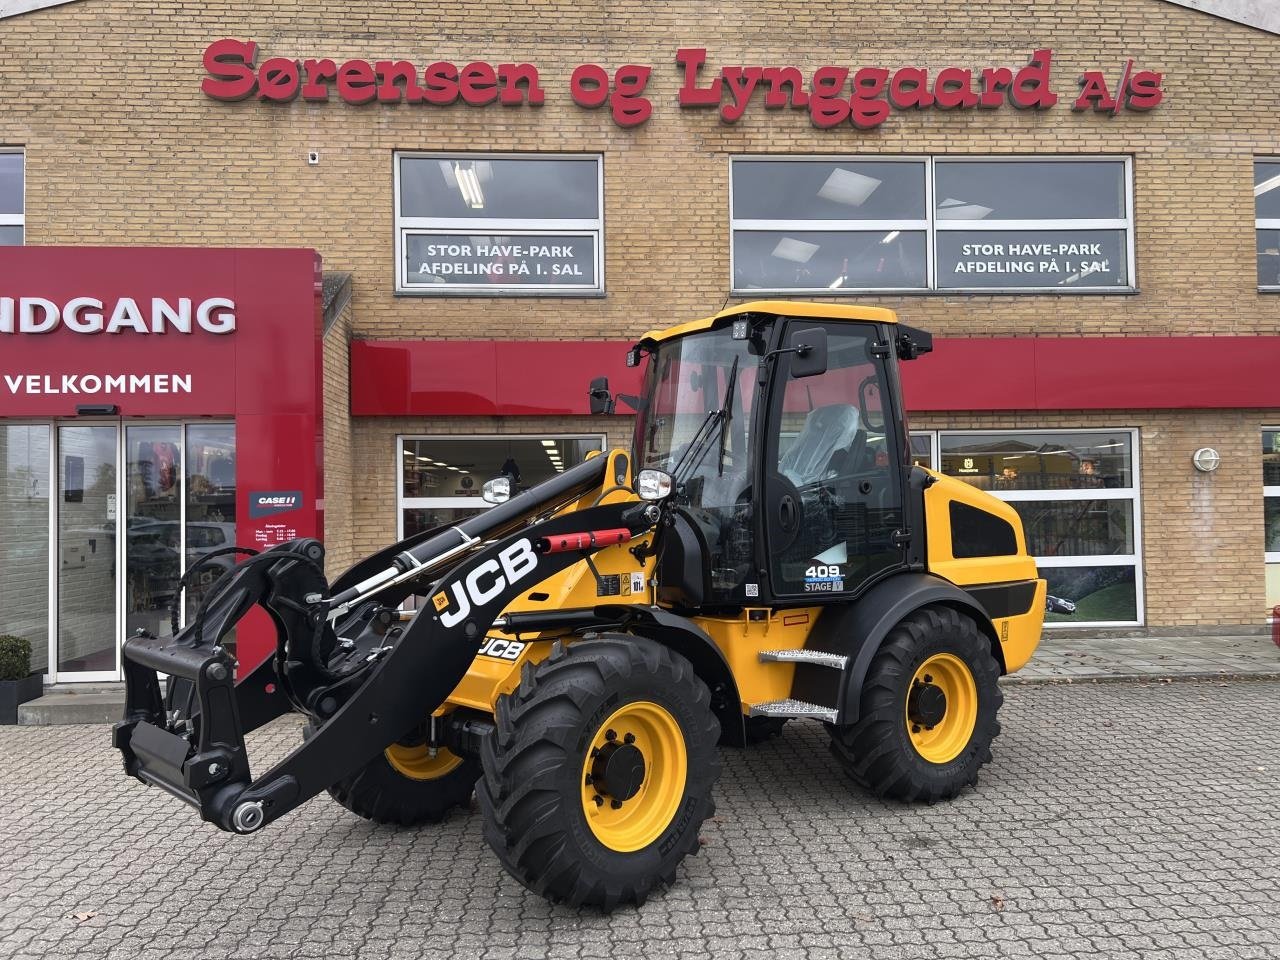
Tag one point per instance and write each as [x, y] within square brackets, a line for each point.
[115, 142]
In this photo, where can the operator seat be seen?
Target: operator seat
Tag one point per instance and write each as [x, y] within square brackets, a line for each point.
[830, 441]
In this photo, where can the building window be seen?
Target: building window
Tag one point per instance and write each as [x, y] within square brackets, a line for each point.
[922, 450]
[1077, 494]
[12, 198]
[475, 224]
[441, 477]
[1266, 202]
[1059, 224]
[1271, 512]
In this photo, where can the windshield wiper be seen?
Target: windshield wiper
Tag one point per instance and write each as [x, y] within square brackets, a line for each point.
[700, 442]
[726, 414]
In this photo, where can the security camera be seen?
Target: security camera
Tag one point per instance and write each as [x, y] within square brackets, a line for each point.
[313, 157]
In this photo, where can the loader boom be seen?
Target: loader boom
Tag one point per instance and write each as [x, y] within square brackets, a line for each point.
[360, 704]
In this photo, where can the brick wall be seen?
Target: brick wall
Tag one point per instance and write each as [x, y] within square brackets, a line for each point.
[123, 147]
[338, 533]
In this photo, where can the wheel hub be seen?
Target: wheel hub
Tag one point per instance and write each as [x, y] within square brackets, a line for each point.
[618, 771]
[926, 704]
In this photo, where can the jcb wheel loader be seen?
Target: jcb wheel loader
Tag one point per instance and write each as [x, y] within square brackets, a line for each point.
[576, 653]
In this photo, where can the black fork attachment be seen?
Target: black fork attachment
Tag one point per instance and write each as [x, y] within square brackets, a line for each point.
[363, 681]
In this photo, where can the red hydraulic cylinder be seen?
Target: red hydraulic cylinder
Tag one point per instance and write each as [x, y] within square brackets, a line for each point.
[587, 540]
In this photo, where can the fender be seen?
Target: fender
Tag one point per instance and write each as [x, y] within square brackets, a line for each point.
[856, 631]
[685, 637]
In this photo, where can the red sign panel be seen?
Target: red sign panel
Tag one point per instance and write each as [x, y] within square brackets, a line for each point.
[180, 332]
[543, 377]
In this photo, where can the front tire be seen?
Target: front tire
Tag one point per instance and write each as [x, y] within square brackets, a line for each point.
[408, 786]
[600, 772]
[928, 710]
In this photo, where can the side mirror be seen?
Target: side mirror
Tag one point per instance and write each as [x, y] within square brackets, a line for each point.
[810, 356]
[497, 490]
[598, 393]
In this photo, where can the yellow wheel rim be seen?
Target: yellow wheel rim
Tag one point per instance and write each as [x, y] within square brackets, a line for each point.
[942, 708]
[633, 776]
[417, 763]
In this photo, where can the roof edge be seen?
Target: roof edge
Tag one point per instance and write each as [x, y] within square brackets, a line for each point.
[1260, 14]
[13, 8]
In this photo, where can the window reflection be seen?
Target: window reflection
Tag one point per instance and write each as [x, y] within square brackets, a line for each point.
[211, 505]
[1029, 461]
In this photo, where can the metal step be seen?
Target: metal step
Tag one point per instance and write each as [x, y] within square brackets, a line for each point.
[794, 708]
[820, 658]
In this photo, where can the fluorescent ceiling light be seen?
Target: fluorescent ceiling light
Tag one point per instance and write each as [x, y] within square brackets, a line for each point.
[1266, 186]
[835, 284]
[848, 188]
[952, 209]
[469, 185]
[548, 443]
[797, 251]
[891, 236]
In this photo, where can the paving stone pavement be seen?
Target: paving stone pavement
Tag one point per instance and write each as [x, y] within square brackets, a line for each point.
[1110, 658]
[1119, 819]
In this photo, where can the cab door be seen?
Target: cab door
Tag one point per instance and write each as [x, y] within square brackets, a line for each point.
[832, 467]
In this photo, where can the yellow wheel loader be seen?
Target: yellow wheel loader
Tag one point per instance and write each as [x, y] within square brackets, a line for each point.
[576, 654]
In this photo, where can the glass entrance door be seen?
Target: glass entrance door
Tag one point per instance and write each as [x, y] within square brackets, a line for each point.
[87, 508]
[24, 537]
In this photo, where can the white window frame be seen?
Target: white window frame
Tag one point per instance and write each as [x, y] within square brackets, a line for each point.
[404, 503]
[17, 219]
[932, 226]
[1132, 493]
[1271, 556]
[1265, 223]
[441, 226]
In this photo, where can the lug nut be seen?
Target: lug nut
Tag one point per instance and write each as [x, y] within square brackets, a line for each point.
[590, 780]
[915, 728]
[610, 736]
[629, 738]
[595, 752]
[616, 804]
[599, 800]
[928, 679]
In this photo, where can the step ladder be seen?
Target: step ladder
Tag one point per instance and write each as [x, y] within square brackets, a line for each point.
[799, 709]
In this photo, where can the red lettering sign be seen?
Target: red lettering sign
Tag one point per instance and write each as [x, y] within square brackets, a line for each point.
[834, 94]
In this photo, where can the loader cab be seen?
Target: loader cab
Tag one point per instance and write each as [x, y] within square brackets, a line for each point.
[789, 474]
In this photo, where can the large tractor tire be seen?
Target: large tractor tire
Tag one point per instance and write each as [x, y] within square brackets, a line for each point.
[600, 773]
[928, 710]
[406, 785]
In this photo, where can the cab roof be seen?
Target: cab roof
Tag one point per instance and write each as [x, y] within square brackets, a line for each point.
[777, 308]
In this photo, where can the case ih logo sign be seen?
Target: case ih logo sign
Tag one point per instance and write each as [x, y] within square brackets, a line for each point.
[832, 95]
[273, 502]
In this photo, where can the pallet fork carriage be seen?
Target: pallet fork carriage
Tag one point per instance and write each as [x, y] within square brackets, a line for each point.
[765, 551]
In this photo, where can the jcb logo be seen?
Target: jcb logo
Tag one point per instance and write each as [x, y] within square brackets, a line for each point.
[486, 582]
[502, 649]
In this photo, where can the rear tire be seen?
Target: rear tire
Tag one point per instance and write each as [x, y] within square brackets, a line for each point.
[553, 774]
[405, 785]
[893, 756]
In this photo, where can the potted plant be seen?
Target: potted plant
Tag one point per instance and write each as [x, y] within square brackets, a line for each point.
[17, 683]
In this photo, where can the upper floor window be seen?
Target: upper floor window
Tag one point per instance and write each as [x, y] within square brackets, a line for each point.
[1266, 203]
[12, 198]
[1059, 224]
[476, 224]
